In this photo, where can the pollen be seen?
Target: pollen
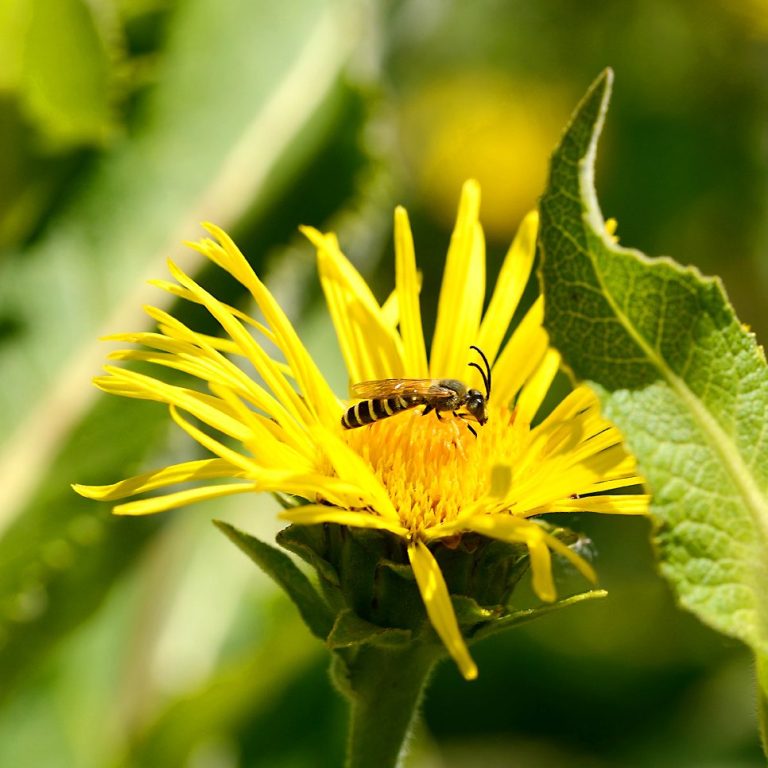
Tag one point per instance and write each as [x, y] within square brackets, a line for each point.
[432, 469]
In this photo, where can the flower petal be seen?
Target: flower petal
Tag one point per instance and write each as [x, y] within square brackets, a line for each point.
[509, 288]
[407, 288]
[619, 504]
[371, 347]
[463, 291]
[513, 529]
[208, 409]
[278, 384]
[312, 384]
[535, 389]
[205, 469]
[351, 467]
[521, 354]
[437, 602]
[313, 514]
[181, 499]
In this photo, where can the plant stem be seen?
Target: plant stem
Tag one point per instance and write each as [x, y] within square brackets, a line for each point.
[385, 686]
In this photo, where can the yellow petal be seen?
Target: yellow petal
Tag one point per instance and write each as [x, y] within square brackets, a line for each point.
[312, 384]
[183, 293]
[521, 355]
[535, 389]
[208, 409]
[371, 347]
[206, 469]
[313, 514]
[541, 568]
[390, 310]
[462, 293]
[351, 467]
[579, 562]
[407, 289]
[216, 447]
[509, 287]
[181, 499]
[437, 602]
[277, 383]
[625, 504]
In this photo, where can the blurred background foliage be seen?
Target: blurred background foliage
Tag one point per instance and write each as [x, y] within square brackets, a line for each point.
[124, 123]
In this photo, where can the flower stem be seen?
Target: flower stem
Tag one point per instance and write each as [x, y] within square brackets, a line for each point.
[385, 687]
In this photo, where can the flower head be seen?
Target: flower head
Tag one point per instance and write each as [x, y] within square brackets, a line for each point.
[425, 478]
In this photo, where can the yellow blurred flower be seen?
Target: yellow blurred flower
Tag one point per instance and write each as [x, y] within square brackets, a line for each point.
[486, 126]
[424, 480]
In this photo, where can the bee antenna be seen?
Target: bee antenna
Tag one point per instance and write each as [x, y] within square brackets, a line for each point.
[485, 374]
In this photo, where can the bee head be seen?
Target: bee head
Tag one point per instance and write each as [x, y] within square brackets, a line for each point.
[476, 405]
[477, 401]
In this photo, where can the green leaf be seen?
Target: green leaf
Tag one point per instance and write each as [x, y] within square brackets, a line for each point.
[279, 567]
[679, 375]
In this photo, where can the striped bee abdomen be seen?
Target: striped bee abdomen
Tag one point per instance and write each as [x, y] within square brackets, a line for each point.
[368, 411]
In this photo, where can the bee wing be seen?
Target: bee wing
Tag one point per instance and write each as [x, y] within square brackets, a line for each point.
[373, 390]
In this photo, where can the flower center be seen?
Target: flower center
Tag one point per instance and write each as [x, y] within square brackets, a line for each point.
[433, 469]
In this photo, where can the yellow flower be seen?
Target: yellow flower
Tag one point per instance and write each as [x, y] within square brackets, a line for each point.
[422, 479]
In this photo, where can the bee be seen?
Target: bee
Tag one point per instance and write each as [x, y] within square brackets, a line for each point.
[386, 397]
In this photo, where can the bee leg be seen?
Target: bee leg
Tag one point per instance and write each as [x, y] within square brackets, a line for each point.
[463, 417]
[428, 409]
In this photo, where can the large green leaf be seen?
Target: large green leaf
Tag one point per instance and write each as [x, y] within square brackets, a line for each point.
[683, 379]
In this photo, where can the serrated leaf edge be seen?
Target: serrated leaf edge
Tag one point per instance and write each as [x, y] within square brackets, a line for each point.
[719, 441]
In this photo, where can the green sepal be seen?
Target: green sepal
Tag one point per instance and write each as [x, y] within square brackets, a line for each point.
[284, 572]
[307, 542]
[286, 501]
[367, 573]
[350, 630]
[471, 615]
[485, 569]
[514, 618]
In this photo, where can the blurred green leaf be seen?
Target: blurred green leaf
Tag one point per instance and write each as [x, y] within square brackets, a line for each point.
[220, 133]
[68, 82]
[679, 375]
[223, 134]
[242, 696]
[283, 571]
[59, 559]
[15, 17]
